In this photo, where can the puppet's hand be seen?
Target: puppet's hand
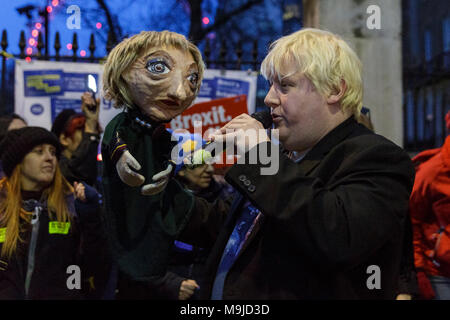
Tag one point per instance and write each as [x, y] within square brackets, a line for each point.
[124, 168]
[161, 179]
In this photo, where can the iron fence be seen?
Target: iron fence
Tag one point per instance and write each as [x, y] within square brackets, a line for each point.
[216, 55]
[426, 101]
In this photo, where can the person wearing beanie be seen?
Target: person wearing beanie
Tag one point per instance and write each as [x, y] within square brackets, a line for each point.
[430, 216]
[40, 215]
[7, 123]
[19, 142]
[79, 135]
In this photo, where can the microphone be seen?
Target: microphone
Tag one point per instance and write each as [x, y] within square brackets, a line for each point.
[262, 116]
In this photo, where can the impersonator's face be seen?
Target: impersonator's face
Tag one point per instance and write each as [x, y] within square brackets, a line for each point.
[163, 82]
[299, 112]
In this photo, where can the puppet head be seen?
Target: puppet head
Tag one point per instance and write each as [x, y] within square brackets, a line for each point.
[157, 72]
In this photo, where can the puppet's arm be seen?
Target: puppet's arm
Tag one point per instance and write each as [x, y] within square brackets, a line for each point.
[161, 180]
[125, 163]
[125, 168]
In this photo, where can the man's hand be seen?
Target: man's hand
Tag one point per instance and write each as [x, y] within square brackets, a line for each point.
[161, 180]
[187, 289]
[87, 101]
[124, 168]
[246, 132]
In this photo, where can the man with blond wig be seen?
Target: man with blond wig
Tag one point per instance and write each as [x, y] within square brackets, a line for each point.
[330, 223]
[153, 76]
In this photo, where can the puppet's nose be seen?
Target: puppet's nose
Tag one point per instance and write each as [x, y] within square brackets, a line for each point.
[178, 90]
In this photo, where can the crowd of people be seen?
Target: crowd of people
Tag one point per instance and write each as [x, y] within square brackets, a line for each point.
[343, 201]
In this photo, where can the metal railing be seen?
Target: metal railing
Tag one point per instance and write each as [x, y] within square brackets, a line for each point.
[218, 57]
[426, 101]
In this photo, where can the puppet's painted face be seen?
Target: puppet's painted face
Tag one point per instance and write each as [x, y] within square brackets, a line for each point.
[162, 82]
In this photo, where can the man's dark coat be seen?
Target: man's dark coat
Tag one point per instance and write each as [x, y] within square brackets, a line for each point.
[333, 224]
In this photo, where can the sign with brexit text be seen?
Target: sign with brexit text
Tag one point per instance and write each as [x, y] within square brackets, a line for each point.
[211, 115]
[206, 117]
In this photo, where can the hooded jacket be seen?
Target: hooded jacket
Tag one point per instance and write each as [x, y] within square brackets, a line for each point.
[430, 211]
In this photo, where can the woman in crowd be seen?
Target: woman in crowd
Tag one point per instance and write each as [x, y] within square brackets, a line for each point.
[40, 240]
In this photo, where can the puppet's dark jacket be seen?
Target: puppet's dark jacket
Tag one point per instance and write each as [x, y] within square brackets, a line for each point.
[141, 229]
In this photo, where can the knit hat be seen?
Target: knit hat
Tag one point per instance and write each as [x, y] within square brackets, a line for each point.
[61, 121]
[18, 143]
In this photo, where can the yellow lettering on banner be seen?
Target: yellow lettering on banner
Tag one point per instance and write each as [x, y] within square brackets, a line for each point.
[2, 235]
[55, 227]
[37, 81]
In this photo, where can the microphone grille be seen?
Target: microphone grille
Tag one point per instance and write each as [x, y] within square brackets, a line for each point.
[264, 117]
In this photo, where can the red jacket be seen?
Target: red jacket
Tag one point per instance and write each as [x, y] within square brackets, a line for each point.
[430, 211]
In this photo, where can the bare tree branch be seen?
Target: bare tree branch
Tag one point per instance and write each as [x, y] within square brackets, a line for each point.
[114, 27]
[89, 21]
[197, 33]
[195, 28]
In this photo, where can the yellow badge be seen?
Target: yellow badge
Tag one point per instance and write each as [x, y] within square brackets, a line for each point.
[55, 227]
[2, 235]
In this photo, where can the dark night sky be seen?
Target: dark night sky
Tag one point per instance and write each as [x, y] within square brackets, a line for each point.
[130, 15]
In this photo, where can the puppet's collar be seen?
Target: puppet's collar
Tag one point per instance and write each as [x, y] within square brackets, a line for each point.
[143, 120]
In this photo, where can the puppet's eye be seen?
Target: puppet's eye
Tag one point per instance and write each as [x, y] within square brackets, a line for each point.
[193, 78]
[157, 66]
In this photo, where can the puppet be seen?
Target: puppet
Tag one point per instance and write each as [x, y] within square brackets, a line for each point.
[153, 76]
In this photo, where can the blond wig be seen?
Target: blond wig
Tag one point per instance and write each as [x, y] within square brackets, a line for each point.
[323, 58]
